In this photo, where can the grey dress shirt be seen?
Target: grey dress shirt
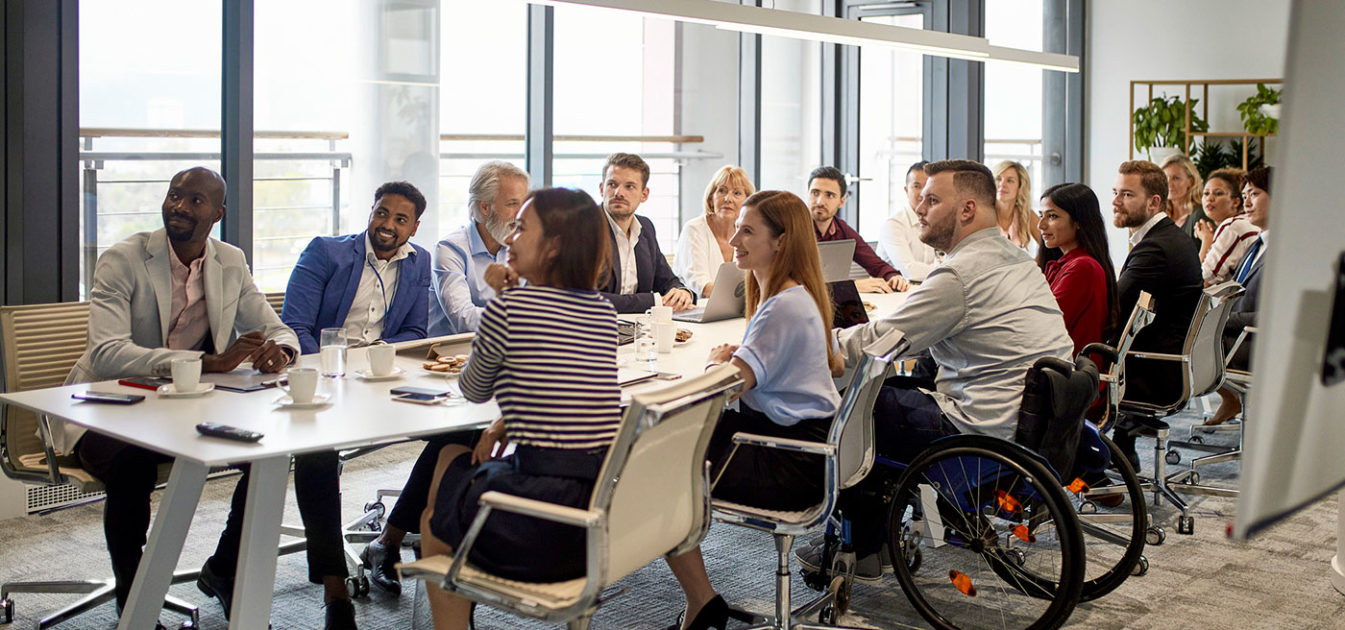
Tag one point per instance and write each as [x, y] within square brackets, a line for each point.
[985, 315]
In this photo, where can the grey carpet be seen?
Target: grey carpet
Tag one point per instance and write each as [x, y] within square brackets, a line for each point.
[1277, 580]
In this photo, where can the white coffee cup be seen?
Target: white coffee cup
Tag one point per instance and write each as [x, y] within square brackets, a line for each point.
[303, 384]
[380, 359]
[664, 334]
[186, 375]
[660, 314]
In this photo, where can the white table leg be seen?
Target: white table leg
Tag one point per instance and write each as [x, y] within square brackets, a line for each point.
[255, 580]
[166, 537]
[1338, 562]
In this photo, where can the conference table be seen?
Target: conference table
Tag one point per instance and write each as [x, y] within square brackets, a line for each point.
[359, 412]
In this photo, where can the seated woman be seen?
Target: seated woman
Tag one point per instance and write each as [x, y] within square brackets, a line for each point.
[704, 243]
[547, 353]
[1076, 262]
[1222, 247]
[1013, 205]
[786, 362]
[1184, 191]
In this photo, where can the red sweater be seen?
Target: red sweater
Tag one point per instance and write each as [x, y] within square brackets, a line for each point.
[1080, 287]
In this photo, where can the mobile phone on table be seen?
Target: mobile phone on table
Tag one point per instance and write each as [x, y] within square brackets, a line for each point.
[427, 391]
[419, 399]
[227, 432]
[113, 398]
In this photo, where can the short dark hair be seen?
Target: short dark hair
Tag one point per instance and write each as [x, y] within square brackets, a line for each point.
[918, 166]
[829, 172]
[571, 219]
[405, 189]
[628, 160]
[1152, 178]
[969, 178]
[1259, 177]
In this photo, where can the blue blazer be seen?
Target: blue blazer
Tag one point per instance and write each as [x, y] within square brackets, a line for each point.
[323, 284]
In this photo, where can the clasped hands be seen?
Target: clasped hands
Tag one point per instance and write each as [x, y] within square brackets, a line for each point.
[266, 356]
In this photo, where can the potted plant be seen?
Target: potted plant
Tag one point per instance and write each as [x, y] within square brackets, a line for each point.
[1261, 111]
[1162, 124]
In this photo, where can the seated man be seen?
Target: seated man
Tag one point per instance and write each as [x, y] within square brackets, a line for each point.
[373, 284]
[223, 323]
[985, 315]
[1256, 197]
[639, 269]
[1163, 261]
[826, 195]
[460, 291]
[899, 243]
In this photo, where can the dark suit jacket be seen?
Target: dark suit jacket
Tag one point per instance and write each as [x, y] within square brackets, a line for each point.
[1166, 265]
[654, 274]
[1244, 314]
[323, 284]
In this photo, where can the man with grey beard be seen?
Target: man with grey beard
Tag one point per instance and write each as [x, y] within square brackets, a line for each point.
[459, 292]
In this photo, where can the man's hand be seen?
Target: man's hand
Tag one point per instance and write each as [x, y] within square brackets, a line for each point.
[872, 285]
[679, 300]
[898, 283]
[485, 447]
[265, 355]
[500, 277]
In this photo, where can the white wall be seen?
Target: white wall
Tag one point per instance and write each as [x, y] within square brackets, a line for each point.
[709, 107]
[1163, 39]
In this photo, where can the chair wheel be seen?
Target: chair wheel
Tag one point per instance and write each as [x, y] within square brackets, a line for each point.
[1173, 457]
[1186, 525]
[1193, 478]
[1141, 567]
[1155, 536]
[1088, 507]
[827, 616]
[376, 506]
[1196, 439]
[840, 592]
[7, 610]
[357, 587]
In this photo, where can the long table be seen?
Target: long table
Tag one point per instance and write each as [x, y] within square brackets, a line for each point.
[359, 413]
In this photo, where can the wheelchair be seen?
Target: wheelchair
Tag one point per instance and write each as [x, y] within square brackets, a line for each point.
[984, 532]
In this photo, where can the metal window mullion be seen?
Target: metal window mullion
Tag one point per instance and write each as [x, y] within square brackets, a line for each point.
[749, 104]
[236, 123]
[538, 156]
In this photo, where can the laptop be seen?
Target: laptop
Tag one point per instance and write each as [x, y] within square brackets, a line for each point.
[723, 303]
[847, 307]
[836, 259]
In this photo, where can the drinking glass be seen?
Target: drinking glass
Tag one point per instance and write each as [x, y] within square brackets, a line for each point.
[332, 346]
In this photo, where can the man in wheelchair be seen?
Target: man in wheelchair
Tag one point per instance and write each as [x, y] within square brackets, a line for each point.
[986, 315]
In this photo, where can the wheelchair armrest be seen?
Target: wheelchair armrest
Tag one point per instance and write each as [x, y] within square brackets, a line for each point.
[1103, 349]
[784, 444]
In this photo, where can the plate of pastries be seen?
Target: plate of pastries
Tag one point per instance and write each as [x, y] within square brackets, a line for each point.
[446, 365]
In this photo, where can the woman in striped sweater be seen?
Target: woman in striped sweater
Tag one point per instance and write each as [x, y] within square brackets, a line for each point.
[547, 353]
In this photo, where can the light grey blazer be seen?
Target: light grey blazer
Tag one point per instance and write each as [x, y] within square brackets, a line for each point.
[131, 299]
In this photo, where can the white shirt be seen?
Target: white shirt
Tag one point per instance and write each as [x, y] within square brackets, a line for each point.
[698, 258]
[1140, 232]
[625, 251]
[899, 244]
[378, 284]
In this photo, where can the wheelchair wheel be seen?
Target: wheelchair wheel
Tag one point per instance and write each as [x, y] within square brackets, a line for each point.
[983, 536]
[1113, 533]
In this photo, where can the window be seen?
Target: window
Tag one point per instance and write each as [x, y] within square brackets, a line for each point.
[891, 107]
[1013, 93]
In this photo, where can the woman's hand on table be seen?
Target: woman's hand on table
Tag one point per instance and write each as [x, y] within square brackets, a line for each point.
[490, 438]
[722, 353]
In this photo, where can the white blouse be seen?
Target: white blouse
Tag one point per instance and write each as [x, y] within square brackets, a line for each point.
[697, 258]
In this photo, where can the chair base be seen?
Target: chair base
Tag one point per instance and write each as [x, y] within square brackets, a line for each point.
[365, 529]
[785, 618]
[96, 593]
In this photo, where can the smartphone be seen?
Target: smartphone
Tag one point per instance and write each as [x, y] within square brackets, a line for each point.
[108, 397]
[419, 399]
[427, 391]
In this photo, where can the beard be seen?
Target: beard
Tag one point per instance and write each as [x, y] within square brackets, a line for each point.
[180, 234]
[498, 229]
[381, 246]
[939, 235]
[1125, 219]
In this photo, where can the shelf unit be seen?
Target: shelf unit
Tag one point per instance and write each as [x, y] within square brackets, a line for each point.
[1204, 86]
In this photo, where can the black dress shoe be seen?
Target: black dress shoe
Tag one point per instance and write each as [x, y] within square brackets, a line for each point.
[714, 614]
[215, 585]
[340, 615]
[381, 563]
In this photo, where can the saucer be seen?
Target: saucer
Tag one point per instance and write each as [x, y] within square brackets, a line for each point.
[366, 375]
[168, 391]
[319, 399]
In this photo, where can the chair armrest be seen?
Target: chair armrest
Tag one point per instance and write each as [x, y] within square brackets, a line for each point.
[1100, 348]
[541, 509]
[784, 444]
[1160, 356]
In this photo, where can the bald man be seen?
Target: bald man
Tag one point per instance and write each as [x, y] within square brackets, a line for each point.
[216, 314]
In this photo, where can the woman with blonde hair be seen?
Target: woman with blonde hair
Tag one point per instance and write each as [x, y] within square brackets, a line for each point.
[1184, 193]
[704, 243]
[1013, 206]
[786, 360]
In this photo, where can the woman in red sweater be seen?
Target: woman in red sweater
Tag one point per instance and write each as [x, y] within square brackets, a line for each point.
[1076, 262]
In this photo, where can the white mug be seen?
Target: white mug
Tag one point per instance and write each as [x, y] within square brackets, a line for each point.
[303, 384]
[186, 375]
[660, 314]
[380, 359]
[664, 334]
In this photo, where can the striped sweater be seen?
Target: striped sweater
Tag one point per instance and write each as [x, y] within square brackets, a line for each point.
[548, 356]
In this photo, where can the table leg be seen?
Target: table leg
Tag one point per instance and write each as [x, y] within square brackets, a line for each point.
[256, 576]
[166, 537]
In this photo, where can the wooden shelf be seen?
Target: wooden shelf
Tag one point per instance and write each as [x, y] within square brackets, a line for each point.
[1204, 84]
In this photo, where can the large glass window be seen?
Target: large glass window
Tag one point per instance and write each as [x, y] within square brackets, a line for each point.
[891, 106]
[791, 112]
[1013, 93]
[145, 113]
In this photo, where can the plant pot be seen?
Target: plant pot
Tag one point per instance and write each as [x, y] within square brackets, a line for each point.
[1158, 154]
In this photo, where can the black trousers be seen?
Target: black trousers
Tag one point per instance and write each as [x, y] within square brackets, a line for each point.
[129, 474]
[415, 495]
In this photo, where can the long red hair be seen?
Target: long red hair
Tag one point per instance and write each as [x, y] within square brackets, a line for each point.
[786, 216]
